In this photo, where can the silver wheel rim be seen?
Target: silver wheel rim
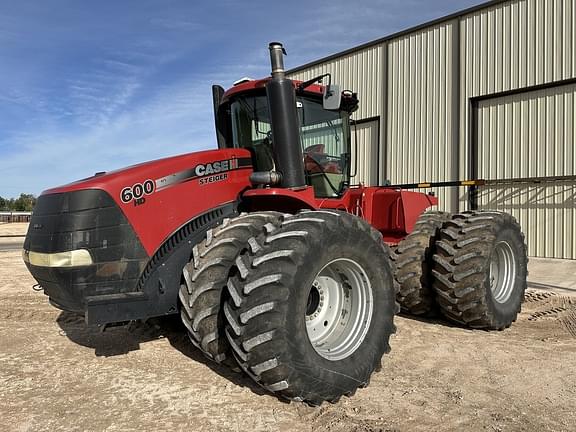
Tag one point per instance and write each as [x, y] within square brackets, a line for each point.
[502, 272]
[339, 309]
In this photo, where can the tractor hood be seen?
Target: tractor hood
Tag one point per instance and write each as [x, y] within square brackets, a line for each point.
[101, 241]
[169, 191]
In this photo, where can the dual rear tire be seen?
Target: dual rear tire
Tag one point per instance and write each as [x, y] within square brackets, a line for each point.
[471, 267]
[413, 261]
[480, 269]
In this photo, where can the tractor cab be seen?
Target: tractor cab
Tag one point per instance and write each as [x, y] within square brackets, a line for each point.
[244, 120]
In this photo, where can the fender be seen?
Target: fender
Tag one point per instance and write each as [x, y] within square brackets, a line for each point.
[394, 212]
[277, 199]
[157, 289]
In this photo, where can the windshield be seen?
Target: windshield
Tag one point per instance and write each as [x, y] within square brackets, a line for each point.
[324, 138]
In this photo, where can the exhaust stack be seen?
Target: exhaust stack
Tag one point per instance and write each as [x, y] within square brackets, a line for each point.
[285, 124]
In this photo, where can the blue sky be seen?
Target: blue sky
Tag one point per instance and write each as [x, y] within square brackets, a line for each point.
[89, 86]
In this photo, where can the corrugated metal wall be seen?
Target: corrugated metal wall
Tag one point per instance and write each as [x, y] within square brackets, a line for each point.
[365, 169]
[514, 45]
[506, 46]
[361, 72]
[517, 45]
[528, 135]
[419, 95]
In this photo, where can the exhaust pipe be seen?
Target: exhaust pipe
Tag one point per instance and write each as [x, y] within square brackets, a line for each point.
[285, 125]
[277, 53]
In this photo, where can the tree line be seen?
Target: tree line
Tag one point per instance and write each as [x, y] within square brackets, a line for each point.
[25, 202]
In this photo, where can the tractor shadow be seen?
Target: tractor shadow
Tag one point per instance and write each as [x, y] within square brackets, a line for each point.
[434, 318]
[120, 340]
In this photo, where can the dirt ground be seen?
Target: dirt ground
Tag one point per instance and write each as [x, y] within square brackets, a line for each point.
[18, 228]
[58, 374]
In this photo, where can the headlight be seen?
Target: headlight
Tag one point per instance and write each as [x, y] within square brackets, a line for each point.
[75, 258]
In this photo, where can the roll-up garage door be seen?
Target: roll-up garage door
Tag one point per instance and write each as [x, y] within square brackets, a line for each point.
[531, 134]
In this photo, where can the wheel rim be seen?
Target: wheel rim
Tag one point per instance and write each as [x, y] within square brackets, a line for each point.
[502, 272]
[339, 309]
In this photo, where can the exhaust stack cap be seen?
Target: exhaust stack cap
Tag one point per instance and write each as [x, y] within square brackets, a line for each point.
[276, 58]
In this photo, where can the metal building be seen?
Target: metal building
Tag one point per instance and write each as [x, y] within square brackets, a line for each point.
[489, 92]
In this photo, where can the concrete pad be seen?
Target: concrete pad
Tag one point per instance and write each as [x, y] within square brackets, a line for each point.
[555, 275]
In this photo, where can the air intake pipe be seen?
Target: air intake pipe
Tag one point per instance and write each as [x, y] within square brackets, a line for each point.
[285, 125]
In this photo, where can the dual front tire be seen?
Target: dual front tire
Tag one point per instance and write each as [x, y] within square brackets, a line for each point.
[311, 312]
[204, 280]
[308, 302]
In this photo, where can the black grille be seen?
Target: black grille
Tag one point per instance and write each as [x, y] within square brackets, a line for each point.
[91, 220]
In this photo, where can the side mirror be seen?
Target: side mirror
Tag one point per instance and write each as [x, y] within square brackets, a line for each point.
[332, 97]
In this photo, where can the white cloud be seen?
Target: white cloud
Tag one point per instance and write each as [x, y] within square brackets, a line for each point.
[177, 119]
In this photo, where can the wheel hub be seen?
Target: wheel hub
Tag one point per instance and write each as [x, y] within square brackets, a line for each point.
[339, 309]
[502, 272]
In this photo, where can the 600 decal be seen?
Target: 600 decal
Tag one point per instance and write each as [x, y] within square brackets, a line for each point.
[136, 193]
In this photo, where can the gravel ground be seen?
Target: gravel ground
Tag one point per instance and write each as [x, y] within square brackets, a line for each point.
[58, 374]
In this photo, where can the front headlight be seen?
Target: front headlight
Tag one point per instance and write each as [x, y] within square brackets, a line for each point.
[75, 258]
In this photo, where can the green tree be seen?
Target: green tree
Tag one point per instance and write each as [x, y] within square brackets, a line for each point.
[25, 202]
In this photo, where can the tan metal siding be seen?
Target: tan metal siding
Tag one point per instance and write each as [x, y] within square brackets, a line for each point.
[510, 46]
[359, 71]
[513, 45]
[365, 163]
[419, 96]
[529, 135]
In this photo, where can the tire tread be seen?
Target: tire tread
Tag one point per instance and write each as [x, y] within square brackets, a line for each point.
[206, 275]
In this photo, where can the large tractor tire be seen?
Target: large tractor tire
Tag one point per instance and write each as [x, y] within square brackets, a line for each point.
[204, 279]
[413, 264]
[311, 308]
[480, 269]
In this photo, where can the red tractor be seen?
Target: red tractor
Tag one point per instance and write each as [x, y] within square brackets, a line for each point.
[269, 254]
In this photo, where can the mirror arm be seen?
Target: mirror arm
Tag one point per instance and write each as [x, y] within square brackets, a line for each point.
[308, 83]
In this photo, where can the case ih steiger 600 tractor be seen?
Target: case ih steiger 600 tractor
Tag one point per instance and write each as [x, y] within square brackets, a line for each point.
[269, 254]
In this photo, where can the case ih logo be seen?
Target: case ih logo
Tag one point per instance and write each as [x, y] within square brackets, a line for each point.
[215, 167]
[207, 173]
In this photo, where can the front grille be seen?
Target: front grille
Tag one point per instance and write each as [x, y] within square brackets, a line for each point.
[91, 220]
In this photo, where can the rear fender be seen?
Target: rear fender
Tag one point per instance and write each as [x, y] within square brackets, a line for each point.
[394, 212]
